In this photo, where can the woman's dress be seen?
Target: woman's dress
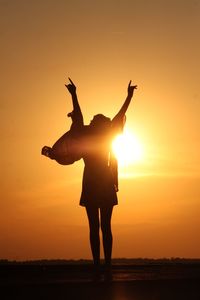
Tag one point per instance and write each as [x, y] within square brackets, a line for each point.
[100, 182]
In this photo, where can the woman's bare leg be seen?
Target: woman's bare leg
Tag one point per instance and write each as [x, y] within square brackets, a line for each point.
[106, 214]
[93, 218]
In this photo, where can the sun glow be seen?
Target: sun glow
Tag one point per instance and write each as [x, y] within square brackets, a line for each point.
[127, 149]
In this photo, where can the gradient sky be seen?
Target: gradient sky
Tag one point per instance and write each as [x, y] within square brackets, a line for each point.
[101, 45]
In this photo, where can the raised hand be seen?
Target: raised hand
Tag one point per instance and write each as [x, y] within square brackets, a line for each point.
[131, 89]
[71, 87]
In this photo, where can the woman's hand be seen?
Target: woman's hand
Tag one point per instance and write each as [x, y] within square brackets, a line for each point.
[71, 87]
[131, 89]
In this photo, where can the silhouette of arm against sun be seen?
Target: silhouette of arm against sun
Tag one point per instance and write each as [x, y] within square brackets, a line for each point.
[119, 119]
[121, 114]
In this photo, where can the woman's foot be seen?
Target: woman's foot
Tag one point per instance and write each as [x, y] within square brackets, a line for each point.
[108, 276]
[96, 273]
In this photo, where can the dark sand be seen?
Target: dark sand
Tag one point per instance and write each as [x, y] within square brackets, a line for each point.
[136, 282]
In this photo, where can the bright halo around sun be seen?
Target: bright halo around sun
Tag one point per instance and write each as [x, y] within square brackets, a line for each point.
[127, 149]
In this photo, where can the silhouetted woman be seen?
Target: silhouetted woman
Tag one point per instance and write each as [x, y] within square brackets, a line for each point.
[99, 185]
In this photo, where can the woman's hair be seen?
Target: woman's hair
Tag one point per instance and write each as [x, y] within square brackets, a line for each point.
[100, 121]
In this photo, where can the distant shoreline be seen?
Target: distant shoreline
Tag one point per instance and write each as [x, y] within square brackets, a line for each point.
[115, 261]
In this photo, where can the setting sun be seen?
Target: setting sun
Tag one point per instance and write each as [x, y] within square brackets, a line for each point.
[127, 148]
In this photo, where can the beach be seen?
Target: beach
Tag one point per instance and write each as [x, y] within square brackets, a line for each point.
[137, 282]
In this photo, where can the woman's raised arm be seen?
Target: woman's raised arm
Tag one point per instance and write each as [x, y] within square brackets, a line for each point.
[121, 114]
[76, 114]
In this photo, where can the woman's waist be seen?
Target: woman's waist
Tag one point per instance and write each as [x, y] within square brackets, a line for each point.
[96, 166]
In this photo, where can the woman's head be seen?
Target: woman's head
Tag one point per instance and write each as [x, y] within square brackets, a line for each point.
[100, 121]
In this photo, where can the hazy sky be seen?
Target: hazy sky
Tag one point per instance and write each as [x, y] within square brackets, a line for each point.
[101, 45]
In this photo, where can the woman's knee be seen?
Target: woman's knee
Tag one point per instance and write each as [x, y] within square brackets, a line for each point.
[94, 229]
[106, 214]
[106, 228]
[93, 218]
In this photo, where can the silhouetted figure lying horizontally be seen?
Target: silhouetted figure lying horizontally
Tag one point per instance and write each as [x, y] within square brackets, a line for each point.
[100, 182]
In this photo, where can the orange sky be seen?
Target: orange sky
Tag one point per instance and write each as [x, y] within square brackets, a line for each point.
[101, 45]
